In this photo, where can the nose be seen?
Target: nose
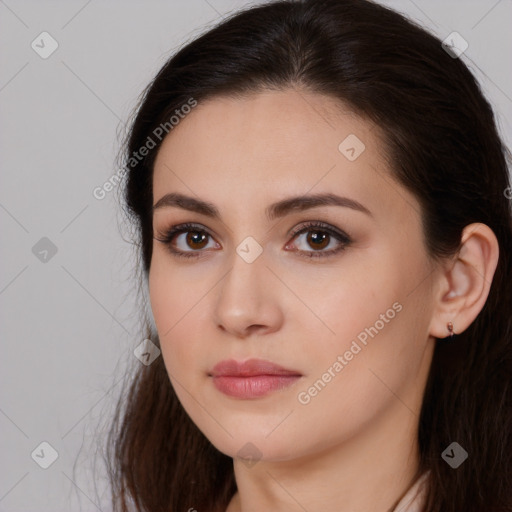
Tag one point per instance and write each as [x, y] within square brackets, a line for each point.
[247, 300]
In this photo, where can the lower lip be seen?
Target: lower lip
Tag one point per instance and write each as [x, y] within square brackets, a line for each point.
[253, 387]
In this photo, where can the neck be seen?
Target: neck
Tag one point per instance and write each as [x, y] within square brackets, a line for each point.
[370, 471]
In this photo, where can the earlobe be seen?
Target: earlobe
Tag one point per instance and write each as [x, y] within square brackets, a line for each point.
[465, 282]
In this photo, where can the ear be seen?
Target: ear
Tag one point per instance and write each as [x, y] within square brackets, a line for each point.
[465, 281]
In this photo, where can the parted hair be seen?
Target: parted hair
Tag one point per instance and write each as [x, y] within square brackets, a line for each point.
[442, 144]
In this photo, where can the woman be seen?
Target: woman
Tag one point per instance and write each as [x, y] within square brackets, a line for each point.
[320, 191]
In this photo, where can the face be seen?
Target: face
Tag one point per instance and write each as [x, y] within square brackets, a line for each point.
[332, 299]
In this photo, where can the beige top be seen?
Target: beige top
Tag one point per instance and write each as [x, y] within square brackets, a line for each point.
[414, 499]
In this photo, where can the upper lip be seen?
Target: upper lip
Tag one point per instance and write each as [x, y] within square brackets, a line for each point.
[249, 368]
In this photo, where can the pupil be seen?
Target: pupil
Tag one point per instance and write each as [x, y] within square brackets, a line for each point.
[193, 235]
[316, 238]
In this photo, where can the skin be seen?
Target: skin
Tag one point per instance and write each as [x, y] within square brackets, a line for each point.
[353, 446]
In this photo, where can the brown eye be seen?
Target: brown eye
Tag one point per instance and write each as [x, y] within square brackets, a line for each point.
[196, 239]
[319, 236]
[186, 240]
[190, 240]
[317, 239]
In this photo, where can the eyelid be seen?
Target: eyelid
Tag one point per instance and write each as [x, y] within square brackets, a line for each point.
[178, 229]
[175, 230]
[343, 239]
[321, 226]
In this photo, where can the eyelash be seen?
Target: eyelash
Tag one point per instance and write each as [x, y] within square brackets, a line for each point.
[343, 238]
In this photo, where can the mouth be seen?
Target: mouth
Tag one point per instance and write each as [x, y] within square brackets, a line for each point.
[254, 378]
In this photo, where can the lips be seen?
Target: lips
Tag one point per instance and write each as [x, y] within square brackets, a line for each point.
[250, 368]
[251, 379]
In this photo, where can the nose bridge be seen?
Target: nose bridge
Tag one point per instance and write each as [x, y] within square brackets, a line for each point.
[247, 274]
[245, 297]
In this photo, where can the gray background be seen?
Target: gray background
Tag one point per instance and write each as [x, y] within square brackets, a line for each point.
[69, 324]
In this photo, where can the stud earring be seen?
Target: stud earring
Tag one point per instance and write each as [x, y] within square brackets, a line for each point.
[450, 329]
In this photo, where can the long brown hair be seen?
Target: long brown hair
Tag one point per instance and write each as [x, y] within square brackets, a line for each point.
[442, 144]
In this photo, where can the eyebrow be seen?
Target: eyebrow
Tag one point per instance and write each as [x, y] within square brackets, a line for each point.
[274, 211]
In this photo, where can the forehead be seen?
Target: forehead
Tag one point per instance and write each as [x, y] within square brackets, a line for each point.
[273, 144]
[296, 129]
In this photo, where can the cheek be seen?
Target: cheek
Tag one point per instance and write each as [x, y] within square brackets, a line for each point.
[356, 376]
[374, 323]
[176, 306]
[345, 302]
[171, 296]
